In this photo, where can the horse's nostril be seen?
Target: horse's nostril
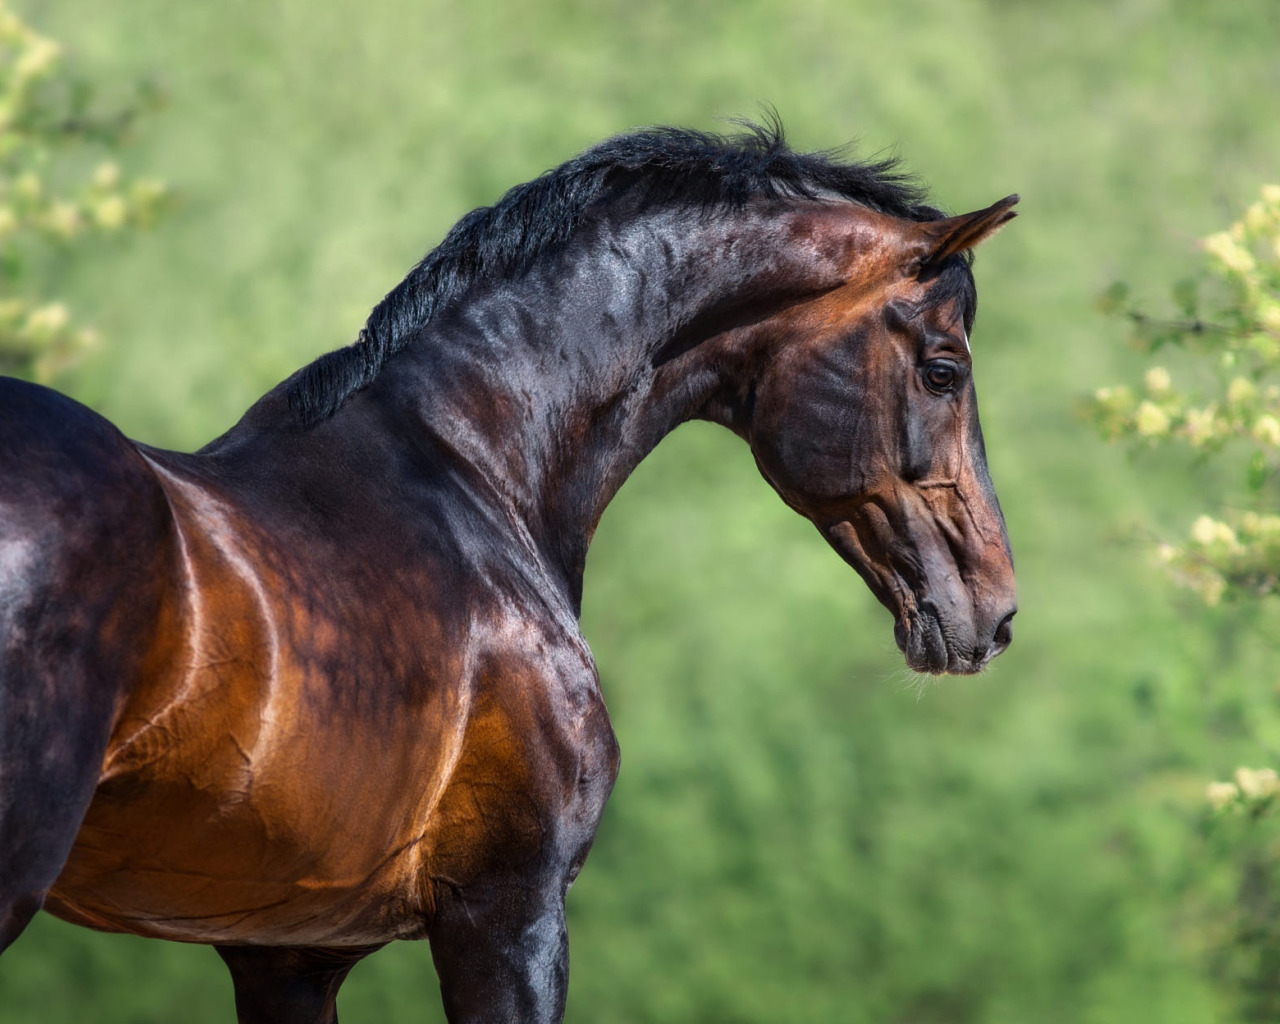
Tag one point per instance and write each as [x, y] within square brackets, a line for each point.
[1004, 631]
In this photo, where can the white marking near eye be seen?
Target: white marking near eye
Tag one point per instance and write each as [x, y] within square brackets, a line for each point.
[966, 342]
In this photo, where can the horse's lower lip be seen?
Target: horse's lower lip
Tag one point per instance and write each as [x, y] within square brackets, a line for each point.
[923, 643]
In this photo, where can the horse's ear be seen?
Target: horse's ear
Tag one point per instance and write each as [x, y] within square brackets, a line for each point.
[932, 241]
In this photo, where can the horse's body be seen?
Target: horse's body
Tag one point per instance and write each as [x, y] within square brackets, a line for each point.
[321, 685]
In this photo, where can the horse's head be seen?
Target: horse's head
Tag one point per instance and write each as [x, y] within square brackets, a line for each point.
[864, 419]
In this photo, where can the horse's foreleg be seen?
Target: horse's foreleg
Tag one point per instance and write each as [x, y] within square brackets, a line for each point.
[502, 953]
[510, 834]
[54, 728]
[289, 985]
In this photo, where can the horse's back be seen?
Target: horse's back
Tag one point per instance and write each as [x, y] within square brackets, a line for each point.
[83, 555]
[62, 465]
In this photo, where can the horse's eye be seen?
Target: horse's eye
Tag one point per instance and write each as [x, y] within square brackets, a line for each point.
[940, 375]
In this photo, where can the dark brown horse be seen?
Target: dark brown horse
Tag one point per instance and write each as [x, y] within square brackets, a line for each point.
[321, 685]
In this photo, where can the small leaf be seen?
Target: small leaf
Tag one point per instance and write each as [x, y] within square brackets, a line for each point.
[1258, 471]
[1113, 299]
[1186, 295]
[11, 264]
[1266, 346]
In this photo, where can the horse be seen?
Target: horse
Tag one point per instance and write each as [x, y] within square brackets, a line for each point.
[321, 685]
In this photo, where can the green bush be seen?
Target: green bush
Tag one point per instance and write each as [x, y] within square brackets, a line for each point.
[1226, 410]
[44, 115]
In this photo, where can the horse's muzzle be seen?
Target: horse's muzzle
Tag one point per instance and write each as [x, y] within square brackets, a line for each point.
[927, 646]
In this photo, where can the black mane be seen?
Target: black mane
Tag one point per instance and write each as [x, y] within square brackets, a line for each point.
[531, 219]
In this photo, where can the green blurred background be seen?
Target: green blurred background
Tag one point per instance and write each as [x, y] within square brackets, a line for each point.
[801, 830]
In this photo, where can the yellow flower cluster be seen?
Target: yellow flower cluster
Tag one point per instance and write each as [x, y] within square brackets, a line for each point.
[40, 338]
[1233, 256]
[25, 58]
[1244, 338]
[1249, 250]
[1210, 533]
[1250, 788]
[37, 339]
[1218, 557]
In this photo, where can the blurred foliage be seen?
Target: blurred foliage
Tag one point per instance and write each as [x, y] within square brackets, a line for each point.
[41, 114]
[801, 831]
[1228, 324]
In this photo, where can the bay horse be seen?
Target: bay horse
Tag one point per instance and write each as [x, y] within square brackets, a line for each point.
[321, 685]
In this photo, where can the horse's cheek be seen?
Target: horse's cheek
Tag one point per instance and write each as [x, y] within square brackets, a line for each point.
[820, 449]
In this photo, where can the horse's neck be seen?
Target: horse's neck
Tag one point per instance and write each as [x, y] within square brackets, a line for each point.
[554, 387]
